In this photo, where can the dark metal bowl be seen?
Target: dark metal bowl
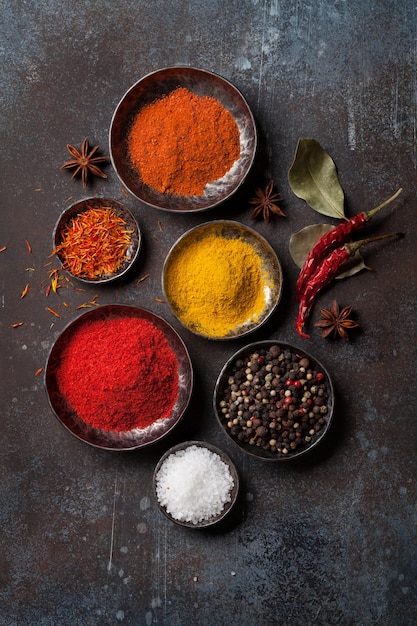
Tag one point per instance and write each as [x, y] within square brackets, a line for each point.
[222, 382]
[231, 230]
[111, 440]
[234, 492]
[121, 211]
[152, 87]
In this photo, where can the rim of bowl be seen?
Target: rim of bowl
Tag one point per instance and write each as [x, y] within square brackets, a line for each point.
[272, 256]
[194, 203]
[233, 471]
[81, 206]
[111, 440]
[258, 452]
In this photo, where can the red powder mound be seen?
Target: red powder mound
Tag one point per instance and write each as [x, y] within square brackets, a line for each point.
[119, 374]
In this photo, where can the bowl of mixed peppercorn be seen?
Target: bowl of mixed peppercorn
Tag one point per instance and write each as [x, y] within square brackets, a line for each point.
[97, 240]
[274, 401]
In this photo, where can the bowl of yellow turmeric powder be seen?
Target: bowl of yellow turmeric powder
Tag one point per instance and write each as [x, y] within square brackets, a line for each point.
[182, 139]
[222, 280]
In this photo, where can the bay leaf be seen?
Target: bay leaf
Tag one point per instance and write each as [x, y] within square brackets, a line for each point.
[302, 241]
[313, 177]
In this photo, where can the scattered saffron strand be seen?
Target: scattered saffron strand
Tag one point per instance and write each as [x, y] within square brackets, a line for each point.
[53, 312]
[39, 371]
[17, 324]
[86, 305]
[56, 281]
[54, 284]
[89, 305]
[142, 279]
[25, 291]
[3, 248]
[28, 246]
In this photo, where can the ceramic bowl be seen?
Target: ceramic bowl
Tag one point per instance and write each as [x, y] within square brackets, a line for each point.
[112, 440]
[228, 506]
[152, 87]
[244, 433]
[86, 204]
[269, 263]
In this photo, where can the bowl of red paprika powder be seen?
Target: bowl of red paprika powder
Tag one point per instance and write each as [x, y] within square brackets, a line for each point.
[182, 139]
[97, 240]
[119, 377]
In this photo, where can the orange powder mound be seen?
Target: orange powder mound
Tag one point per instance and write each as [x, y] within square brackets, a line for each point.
[183, 141]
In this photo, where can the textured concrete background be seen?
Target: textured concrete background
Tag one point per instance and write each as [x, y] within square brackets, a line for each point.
[328, 541]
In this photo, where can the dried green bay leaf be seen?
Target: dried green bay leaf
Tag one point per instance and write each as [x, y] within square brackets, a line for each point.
[301, 243]
[313, 177]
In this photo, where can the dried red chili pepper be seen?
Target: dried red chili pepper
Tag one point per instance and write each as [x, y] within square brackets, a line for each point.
[329, 241]
[325, 274]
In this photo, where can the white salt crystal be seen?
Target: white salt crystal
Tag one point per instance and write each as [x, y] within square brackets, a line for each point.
[193, 484]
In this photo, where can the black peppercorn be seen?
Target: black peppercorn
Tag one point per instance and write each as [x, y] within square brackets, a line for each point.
[280, 400]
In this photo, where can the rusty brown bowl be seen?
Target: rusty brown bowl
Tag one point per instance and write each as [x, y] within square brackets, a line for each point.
[160, 83]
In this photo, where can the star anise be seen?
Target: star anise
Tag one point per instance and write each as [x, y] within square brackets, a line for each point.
[265, 203]
[335, 321]
[85, 162]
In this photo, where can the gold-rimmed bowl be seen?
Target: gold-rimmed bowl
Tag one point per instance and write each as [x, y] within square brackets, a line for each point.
[160, 83]
[275, 401]
[270, 266]
[132, 251]
[112, 439]
[188, 492]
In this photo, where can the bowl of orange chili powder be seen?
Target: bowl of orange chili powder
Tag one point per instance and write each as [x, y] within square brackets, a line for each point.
[97, 240]
[182, 139]
[119, 377]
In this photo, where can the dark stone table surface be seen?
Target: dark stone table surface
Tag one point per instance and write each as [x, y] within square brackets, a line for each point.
[331, 540]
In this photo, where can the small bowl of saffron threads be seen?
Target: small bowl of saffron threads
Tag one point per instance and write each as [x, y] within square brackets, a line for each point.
[195, 484]
[275, 401]
[119, 377]
[222, 280]
[182, 139]
[97, 240]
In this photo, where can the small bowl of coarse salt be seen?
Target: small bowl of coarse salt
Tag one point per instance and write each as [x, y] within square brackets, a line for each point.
[195, 484]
